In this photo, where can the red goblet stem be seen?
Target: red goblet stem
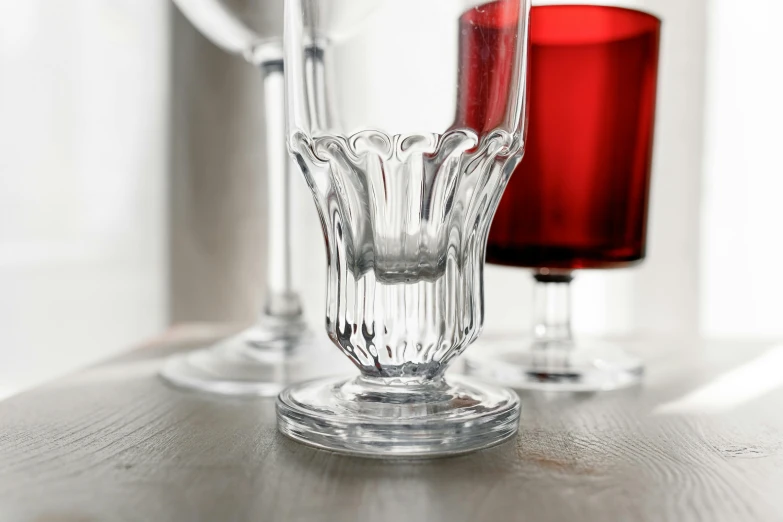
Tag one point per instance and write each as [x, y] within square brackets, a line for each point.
[552, 307]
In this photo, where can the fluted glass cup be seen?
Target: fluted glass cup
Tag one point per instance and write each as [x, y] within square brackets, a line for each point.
[406, 118]
[279, 348]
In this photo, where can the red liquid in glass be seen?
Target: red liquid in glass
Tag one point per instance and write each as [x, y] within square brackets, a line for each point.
[579, 198]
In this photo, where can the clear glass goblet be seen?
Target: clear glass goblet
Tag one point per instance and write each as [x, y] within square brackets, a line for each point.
[279, 349]
[406, 117]
[579, 199]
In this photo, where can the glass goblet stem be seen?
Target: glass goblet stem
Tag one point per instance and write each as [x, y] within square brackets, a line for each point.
[281, 301]
[552, 308]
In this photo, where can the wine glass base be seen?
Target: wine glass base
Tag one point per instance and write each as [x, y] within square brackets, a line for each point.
[579, 367]
[252, 364]
[365, 418]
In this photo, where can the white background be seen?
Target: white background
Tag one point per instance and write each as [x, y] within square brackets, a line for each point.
[83, 168]
[742, 217]
[83, 136]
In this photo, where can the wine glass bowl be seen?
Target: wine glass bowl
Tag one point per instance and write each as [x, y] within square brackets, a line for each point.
[405, 188]
[580, 198]
[250, 28]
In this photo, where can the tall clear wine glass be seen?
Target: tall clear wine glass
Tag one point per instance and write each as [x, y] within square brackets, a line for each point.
[406, 179]
[580, 197]
[279, 348]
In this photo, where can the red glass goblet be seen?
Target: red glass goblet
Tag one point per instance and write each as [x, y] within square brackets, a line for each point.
[579, 199]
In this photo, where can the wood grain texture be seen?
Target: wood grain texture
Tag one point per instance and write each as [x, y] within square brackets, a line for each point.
[114, 443]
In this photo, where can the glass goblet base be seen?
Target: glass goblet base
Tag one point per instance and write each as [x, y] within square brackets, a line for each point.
[375, 417]
[260, 361]
[580, 366]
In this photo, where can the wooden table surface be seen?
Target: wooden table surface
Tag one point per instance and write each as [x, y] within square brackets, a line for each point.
[702, 439]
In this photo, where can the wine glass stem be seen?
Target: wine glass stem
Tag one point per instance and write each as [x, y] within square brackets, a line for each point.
[281, 300]
[552, 308]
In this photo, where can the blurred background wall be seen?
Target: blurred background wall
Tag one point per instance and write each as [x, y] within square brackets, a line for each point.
[84, 90]
[132, 186]
[217, 182]
[742, 242]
